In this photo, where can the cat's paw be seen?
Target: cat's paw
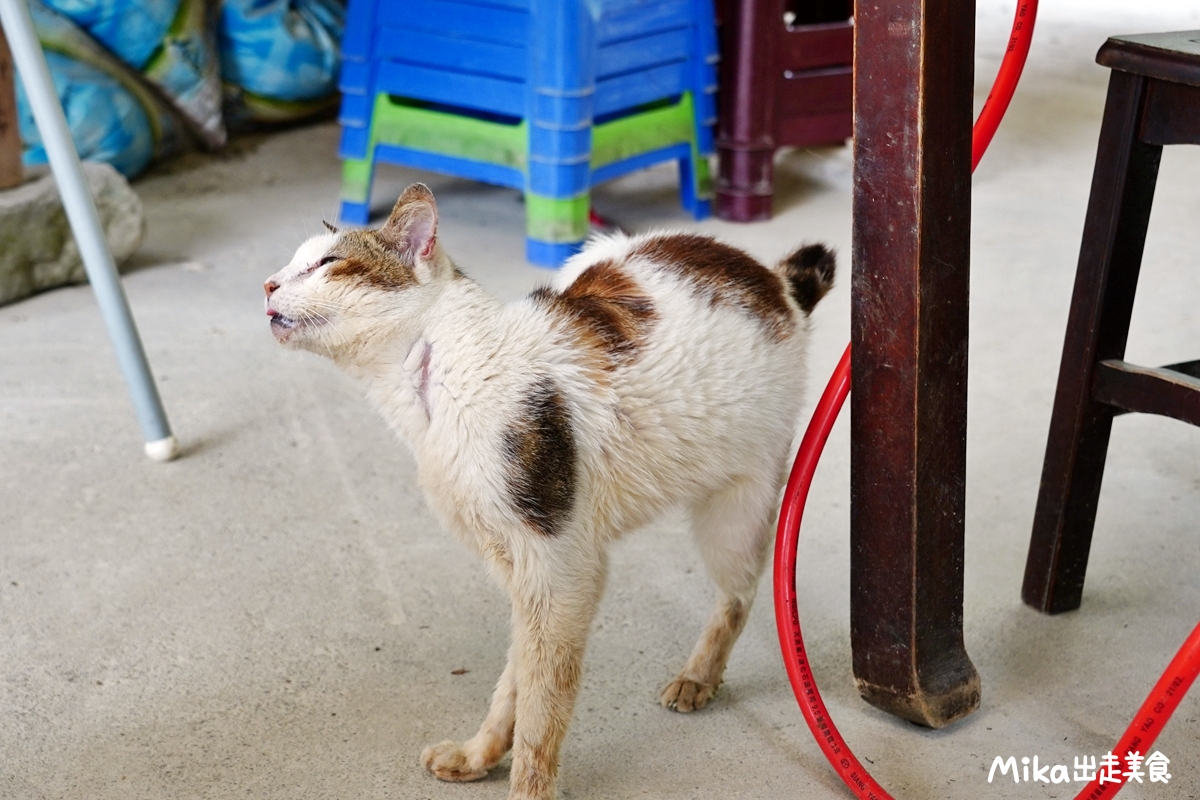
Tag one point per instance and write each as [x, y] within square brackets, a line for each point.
[684, 695]
[448, 762]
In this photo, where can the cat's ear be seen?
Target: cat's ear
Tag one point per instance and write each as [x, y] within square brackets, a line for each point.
[411, 229]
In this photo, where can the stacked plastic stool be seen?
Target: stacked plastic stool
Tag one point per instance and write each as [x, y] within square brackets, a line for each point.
[546, 96]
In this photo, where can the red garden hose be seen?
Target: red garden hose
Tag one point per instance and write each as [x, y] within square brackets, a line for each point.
[1171, 687]
[1006, 80]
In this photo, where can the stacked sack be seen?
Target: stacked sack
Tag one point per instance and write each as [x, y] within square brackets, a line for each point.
[141, 79]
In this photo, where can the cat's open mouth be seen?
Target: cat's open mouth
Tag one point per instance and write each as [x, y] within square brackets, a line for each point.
[282, 327]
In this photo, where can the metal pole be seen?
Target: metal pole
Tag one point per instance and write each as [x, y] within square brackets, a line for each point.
[85, 225]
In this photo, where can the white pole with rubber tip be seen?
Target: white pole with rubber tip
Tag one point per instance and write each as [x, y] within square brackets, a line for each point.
[85, 225]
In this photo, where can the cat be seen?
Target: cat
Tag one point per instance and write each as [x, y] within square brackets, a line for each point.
[659, 370]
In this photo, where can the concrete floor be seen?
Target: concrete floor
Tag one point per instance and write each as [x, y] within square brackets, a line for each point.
[276, 614]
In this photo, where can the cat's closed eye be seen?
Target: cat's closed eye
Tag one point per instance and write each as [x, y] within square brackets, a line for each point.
[326, 260]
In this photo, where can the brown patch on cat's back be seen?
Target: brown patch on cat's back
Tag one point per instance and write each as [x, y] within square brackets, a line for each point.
[540, 448]
[363, 258]
[726, 276]
[606, 309]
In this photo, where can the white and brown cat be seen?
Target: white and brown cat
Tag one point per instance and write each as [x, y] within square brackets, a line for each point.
[660, 370]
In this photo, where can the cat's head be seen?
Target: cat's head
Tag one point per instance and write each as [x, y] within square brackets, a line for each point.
[346, 290]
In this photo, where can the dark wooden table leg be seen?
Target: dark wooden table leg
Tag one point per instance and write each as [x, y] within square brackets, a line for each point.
[914, 68]
[1114, 234]
[11, 172]
[746, 124]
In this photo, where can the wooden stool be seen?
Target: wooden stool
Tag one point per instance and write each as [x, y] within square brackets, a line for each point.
[1153, 100]
[782, 84]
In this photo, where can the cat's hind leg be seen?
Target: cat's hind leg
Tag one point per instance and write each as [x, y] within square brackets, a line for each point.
[733, 531]
[471, 760]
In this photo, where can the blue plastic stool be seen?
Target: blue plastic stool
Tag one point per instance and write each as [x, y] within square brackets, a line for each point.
[546, 96]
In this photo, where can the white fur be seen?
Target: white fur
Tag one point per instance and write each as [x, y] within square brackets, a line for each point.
[703, 417]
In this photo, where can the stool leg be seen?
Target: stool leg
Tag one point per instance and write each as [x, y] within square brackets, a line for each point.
[560, 99]
[1114, 235]
[746, 124]
[555, 228]
[695, 180]
[12, 173]
[694, 183]
[357, 177]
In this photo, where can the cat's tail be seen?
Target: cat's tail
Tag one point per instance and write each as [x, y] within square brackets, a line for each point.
[809, 274]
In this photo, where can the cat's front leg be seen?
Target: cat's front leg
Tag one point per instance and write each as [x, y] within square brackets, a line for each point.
[551, 628]
[471, 760]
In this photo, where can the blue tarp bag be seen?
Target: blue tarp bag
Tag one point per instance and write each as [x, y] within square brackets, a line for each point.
[279, 58]
[106, 122]
[111, 113]
[116, 64]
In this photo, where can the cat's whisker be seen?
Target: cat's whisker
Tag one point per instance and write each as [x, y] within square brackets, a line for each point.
[322, 331]
[328, 325]
[327, 302]
[324, 339]
[328, 305]
[328, 333]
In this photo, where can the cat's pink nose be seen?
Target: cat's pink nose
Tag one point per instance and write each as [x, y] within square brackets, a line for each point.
[270, 287]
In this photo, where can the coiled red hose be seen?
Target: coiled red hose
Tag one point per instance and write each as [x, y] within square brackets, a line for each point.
[1171, 687]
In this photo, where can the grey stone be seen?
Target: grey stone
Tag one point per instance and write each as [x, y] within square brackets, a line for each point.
[37, 250]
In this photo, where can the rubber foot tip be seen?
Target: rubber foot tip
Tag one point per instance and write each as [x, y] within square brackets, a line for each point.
[163, 449]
